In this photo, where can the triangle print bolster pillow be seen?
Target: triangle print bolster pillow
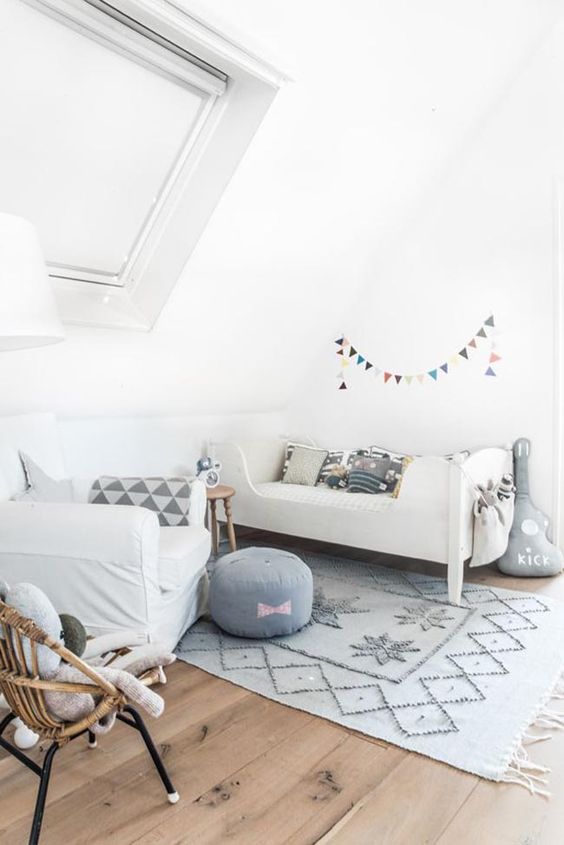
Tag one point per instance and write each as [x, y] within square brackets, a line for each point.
[168, 497]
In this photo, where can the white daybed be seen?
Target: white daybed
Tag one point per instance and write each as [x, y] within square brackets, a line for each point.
[431, 519]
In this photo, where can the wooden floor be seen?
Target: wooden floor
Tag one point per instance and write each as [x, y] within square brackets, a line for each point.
[254, 772]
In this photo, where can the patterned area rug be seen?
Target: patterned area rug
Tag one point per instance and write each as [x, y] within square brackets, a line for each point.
[387, 655]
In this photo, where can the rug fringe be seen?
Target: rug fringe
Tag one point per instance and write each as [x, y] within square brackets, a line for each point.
[520, 769]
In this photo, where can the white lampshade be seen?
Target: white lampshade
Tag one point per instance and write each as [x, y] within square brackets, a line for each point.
[28, 314]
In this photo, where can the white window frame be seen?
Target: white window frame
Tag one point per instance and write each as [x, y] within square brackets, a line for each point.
[239, 95]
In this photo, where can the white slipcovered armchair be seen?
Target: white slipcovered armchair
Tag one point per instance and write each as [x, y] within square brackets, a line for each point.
[114, 567]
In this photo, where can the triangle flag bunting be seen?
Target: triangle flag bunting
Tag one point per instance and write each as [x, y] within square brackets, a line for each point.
[349, 355]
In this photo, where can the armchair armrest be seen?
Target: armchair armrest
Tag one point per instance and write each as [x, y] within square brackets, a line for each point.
[198, 502]
[97, 562]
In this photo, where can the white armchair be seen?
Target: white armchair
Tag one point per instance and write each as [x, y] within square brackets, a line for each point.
[114, 567]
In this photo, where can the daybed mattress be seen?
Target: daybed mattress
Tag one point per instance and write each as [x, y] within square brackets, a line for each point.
[324, 497]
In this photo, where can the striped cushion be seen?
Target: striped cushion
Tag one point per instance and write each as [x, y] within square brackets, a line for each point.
[342, 458]
[365, 476]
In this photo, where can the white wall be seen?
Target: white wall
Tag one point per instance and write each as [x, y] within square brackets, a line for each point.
[398, 189]
[153, 445]
[384, 94]
[485, 243]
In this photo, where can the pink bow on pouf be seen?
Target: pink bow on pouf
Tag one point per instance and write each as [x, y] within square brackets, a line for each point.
[268, 610]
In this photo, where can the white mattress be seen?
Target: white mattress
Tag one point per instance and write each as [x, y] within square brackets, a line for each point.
[323, 496]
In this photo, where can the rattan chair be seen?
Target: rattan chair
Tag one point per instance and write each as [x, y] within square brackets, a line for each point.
[24, 692]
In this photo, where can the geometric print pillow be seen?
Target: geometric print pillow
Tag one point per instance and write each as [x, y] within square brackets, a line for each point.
[168, 497]
[342, 458]
[395, 468]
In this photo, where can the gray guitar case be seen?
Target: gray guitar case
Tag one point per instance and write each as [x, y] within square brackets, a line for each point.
[529, 552]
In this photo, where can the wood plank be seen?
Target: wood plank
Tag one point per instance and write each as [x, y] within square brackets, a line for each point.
[504, 814]
[413, 804]
[129, 799]
[292, 793]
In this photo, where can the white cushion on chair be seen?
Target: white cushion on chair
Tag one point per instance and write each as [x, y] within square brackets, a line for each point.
[182, 551]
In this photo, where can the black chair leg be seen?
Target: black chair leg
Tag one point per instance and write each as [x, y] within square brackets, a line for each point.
[92, 741]
[6, 721]
[42, 794]
[138, 723]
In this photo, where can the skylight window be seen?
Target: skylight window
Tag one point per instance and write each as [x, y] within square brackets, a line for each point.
[107, 122]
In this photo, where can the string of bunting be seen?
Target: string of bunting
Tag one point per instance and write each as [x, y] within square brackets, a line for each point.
[484, 337]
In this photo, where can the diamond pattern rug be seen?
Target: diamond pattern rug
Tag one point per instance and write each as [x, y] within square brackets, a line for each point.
[387, 655]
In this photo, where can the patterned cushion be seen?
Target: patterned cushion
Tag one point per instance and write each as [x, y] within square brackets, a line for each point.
[168, 497]
[304, 465]
[342, 458]
[368, 475]
[394, 466]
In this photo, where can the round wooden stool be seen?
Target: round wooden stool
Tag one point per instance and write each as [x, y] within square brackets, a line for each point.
[222, 491]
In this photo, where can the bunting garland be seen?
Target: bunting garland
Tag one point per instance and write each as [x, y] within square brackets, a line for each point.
[483, 339]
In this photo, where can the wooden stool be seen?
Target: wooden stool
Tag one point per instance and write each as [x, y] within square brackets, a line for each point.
[222, 491]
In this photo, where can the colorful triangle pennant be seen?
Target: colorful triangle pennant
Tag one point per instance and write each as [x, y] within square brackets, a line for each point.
[486, 331]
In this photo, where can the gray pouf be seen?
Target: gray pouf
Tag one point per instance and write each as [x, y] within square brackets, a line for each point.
[260, 592]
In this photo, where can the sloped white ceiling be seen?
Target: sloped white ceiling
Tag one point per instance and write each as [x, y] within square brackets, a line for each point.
[385, 98]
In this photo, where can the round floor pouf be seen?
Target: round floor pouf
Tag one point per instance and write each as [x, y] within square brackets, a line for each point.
[260, 593]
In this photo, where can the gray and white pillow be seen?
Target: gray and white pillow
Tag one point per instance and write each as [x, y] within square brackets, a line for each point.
[169, 498]
[368, 475]
[304, 465]
[41, 487]
[391, 467]
[343, 458]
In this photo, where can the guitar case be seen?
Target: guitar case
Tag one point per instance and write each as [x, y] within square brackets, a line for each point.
[529, 551]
